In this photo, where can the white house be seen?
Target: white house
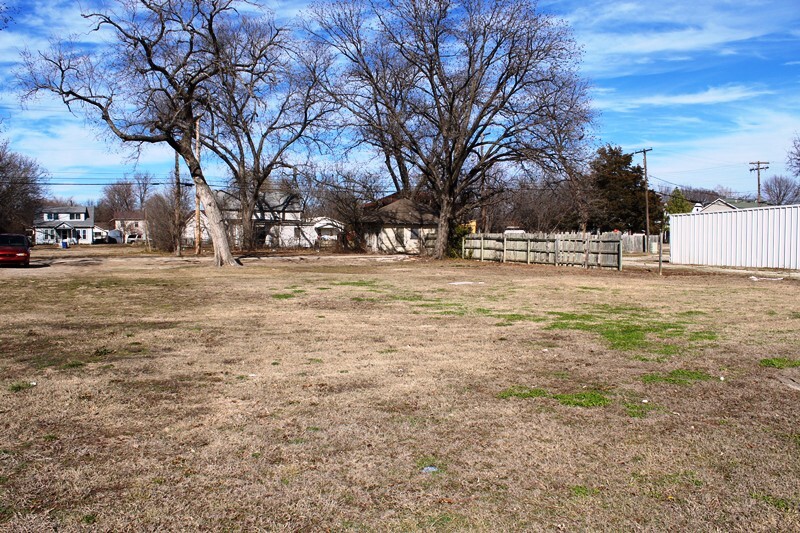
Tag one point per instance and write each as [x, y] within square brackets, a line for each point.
[398, 226]
[278, 223]
[131, 225]
[73, 224]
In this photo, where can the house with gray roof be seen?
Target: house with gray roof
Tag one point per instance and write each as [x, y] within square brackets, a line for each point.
[398, 225]
[71, 223]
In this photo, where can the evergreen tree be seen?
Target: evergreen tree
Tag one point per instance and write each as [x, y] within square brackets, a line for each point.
[620, 193]
[678, 203]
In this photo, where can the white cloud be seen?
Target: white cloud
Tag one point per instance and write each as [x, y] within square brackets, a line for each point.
[711, 96]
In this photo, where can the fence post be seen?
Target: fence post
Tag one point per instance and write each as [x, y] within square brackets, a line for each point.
[463, 246]
[528, 253]
[585, 251]
[504, 247]
[555, 255]
[619, 254]
[481, 246]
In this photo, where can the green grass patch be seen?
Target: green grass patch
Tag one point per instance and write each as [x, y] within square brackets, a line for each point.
[357, 283]
[578, 399]
[697, 336]
[795, 315]
[582, 491]
[73, 364]
[629, 328]
[780, 362]
[638, 409]
[283, 295]
[782, 504]
[20, 386]
[676, 377]
[583, 399]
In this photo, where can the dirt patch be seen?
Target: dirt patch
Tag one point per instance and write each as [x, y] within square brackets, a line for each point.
[379, 395]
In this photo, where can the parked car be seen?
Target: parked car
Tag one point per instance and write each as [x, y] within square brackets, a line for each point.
[14, 249]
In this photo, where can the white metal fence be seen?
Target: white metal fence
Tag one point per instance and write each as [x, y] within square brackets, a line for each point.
[764, 237]
[555, 249]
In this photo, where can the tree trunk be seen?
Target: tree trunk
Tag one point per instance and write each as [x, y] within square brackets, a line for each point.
[443, 228]
[215, 224]
[246, 212]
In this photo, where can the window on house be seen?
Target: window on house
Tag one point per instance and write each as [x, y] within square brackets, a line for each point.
[415, 234]
[298, 233]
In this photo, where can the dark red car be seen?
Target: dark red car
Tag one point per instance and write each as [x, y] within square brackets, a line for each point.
[14, 249]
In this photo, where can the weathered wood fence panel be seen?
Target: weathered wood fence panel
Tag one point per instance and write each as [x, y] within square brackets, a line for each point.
[574, 249]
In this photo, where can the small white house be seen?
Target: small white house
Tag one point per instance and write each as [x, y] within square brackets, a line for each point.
[73, 224]
[399, 226]
[131, 225]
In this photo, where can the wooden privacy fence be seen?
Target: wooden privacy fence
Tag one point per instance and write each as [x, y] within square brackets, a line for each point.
[571, 249]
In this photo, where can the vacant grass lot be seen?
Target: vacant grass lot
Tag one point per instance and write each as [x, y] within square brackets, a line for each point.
[142, 393]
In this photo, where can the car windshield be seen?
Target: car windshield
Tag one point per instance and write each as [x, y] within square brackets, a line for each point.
[12, 240]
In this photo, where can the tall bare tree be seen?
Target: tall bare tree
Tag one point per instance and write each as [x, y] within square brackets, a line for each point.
[151, 83]
[781, 190]
[793, 157]
[266, 105]
[21, 190]
[446, 90]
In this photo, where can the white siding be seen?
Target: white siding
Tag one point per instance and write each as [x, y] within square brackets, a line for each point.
[766, 237]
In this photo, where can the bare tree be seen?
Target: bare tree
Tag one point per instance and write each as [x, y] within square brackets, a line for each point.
[118, 197]
[446, 90]
[142, 187]
[266, 104]
[21, 190]
[165, 229]
[793, 157]
[781, 190]
[151, 84]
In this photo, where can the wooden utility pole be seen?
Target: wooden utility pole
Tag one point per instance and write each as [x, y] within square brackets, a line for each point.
[758, 168]
[178, 203]
[197, 233]
[646, 199]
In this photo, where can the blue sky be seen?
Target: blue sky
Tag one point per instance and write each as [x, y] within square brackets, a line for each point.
[708, 85]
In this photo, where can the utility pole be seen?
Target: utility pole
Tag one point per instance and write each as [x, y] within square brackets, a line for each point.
[646, 199]
[178, 202]
[758, 168]
[197, 234]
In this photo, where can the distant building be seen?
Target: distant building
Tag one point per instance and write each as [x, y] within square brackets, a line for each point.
[73, 224]
[398, 225]
[131, 225]
[277, 219]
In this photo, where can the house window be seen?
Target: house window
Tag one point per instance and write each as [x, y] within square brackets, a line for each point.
[298, 233]
[49, 216]
[415, 233]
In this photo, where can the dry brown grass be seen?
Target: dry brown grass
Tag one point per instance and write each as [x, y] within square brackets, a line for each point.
[309, 394]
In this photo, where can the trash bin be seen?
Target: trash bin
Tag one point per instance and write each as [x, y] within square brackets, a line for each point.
[654, 247]
[65, 243]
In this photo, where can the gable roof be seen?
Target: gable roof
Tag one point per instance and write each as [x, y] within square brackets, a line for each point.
[128, 215]
[267, 202]
[722, 204]
[65, 209]
[404, 212]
